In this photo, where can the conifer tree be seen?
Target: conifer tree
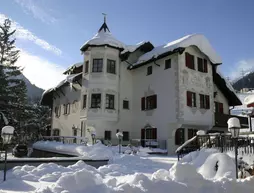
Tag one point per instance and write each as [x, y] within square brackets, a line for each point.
[13, 90]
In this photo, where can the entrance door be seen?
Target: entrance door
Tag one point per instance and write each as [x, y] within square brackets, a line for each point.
[148, 135]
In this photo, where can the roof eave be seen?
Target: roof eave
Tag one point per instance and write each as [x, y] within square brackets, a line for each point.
[86, 46]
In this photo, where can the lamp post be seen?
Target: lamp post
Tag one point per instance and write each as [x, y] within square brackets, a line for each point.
[234, 127]
[119, 136]
[6, 134]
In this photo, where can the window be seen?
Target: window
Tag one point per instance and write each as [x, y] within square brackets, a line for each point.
[68, 108]
[65, 109]
[56, 132]
[97, 65]
[149, 70]
[110, 101]
[204, 101]
[84, 101]
[107, 135]
[167, 64]
[125, 104]
[202, 65]
[75, 133]
[143, 103]
[179, 136]
[96, 101]
[189, 61]
[111, 66]
[125, 136]
[218, 107]
[151, 102]
[191, 99]
[86, 66]
[192, 133]
[58, 111]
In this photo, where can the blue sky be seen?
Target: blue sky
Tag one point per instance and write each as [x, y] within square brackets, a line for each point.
[50, 32]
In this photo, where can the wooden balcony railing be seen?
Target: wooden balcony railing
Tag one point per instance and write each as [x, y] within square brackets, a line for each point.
[221, 120]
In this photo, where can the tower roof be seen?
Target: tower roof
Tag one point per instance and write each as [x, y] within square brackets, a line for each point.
[103, 38]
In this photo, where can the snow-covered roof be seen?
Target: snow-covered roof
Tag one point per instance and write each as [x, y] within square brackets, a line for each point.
[76, 65]
[198, 40]
[103, 37]
[67, 79]
[132, 48]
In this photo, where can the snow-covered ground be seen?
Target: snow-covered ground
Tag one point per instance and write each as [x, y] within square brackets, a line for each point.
[207, 171]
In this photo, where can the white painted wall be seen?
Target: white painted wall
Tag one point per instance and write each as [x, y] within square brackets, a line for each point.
[66, 122]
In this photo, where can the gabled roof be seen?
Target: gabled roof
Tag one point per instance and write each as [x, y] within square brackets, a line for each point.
[197, 40]
[73, 67]
[225, 87]
[47, 96]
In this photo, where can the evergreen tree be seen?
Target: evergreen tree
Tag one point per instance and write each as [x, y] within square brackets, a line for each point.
[13, 90]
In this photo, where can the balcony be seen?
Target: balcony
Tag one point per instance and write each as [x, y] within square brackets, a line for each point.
[221, 120]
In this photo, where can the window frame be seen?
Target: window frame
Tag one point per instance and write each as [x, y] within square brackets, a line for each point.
[107, 135]
[97, 103]
[126, 136]
[204, 101]
[84, 101]
[191, 99]
[97, 66]
[189, 61]
[151, 102]
[180, 136]
[126, 106]
[202, 65]
[167, 65]
[111, 66]
[149, 70]
[219, 107]
[110, 101]
[87, 67]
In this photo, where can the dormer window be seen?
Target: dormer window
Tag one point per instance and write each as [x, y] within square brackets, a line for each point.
[111, 66]
[97, 65]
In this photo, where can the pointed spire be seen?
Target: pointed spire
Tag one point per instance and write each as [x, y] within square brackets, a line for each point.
[104, 25]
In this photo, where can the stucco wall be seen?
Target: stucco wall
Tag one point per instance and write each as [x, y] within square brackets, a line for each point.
[66, 122]
[199, 83]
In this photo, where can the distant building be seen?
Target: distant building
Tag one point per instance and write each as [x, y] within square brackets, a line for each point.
[158, 94]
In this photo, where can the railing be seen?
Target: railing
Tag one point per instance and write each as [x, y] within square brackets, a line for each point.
[223, 142]
[65, 139]
[221, 120]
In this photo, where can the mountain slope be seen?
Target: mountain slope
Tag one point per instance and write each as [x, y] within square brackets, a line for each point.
[246, 81]
[33, 92]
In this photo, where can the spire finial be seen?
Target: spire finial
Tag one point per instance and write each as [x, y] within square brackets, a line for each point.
[105, 17]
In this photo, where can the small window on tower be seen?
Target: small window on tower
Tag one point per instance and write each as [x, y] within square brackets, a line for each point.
[149, 70]
[167, 64]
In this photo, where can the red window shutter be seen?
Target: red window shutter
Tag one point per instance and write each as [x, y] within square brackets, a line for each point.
[207, 101]
[142, 133]
[188, 96]
[205, 66]
[201, 101]
[187, 59]
[192, 65]
[221, 107]
[143, 103]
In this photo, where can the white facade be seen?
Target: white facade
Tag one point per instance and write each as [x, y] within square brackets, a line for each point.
[169, 85]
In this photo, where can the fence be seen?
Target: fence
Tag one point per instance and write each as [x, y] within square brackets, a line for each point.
[222, 142]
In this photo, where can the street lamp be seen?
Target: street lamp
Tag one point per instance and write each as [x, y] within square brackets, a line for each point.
[7, 134]
[119, 136]
[234, 127]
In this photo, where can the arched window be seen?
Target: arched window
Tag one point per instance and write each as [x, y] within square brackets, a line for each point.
[56, 132]
[179, 136]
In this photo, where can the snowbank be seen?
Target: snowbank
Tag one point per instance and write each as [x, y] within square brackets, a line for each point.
[79, 178]
[94, 152]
